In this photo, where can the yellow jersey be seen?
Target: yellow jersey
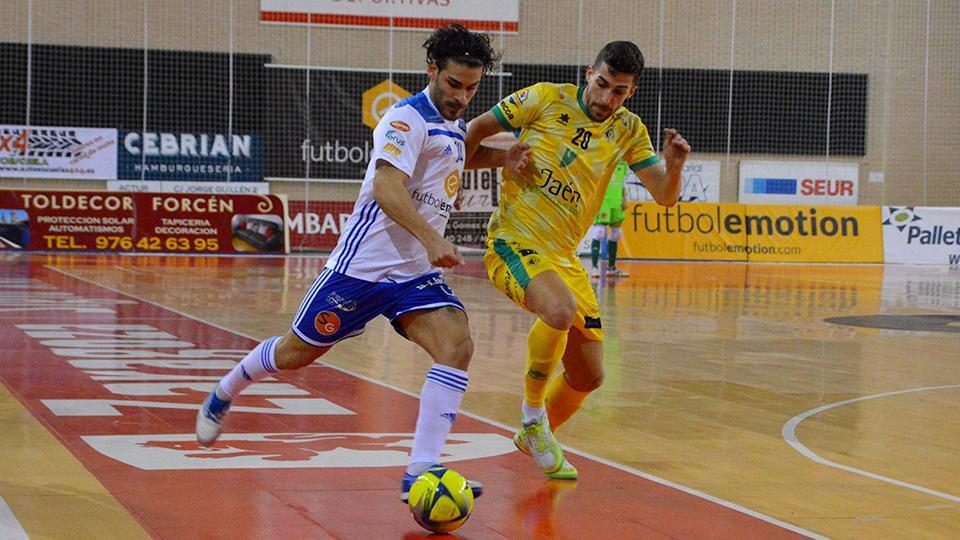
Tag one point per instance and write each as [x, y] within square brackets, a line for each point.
[556, 197]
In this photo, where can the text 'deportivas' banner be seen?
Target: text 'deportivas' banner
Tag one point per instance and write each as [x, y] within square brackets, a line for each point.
[746, 232]
[492, 15]
[142, 222]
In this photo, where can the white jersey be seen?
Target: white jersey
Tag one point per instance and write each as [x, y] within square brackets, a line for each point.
[414, 137]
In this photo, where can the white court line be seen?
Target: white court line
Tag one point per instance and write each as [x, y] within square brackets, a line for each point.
[10, 528]
[624, 468]
[789, 434]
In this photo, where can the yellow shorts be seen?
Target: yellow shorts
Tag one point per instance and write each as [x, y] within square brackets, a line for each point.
[511, 267]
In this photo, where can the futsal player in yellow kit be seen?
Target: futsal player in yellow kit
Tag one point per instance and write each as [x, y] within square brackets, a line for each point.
[550, 197]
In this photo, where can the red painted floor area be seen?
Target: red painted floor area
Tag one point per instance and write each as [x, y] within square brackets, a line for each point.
[317, 454]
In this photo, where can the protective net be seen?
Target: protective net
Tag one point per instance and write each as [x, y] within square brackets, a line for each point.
[282, 95]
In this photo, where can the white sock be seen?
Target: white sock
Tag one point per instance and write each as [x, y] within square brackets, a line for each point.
[439, 402]
[531, 414]
[258, 364]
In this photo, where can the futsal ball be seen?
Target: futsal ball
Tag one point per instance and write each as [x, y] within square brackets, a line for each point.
[441, 500]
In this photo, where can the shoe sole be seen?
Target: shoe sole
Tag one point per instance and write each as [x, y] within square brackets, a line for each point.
[569, 474]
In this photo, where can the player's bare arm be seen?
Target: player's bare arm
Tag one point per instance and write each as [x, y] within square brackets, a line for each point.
[486, 149]
[663, 180]
[478, 129]
[487, 157]
[393, 199]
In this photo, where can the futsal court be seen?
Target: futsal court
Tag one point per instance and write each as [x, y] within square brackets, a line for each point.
[732, 406]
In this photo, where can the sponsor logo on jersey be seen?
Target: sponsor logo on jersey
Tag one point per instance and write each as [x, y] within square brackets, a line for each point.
[395, 137]
[505, 108]
[338, 302]
[436, 281]
[430, 199]
[564, 193]
[389, 147]
[452, 183]
[592, 322]
[400, 125]
[327, 323]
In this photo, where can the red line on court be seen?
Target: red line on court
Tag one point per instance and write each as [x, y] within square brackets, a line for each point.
[276, 475]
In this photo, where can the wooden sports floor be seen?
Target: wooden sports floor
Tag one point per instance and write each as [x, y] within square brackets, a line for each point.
[740, 401]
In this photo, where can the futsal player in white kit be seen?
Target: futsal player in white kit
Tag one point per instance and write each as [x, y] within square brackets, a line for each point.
[386, 260]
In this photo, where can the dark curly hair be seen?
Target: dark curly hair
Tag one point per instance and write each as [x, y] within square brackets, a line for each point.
[454, 42]
[621, 57]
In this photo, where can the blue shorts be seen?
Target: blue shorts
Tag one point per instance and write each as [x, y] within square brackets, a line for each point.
[338, 306]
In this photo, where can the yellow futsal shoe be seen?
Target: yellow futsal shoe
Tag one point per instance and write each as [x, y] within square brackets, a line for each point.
[545, 449]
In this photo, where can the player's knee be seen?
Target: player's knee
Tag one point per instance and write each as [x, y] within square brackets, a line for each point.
[456, 352]
[586, 382]
[616, 234]
[294, 353]
[598, 231]
[559, 315]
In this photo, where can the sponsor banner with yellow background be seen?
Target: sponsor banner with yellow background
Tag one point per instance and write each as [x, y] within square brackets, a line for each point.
[751, 232]
[685, 231]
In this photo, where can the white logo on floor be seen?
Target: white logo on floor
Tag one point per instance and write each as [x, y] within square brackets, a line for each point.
[287, 450]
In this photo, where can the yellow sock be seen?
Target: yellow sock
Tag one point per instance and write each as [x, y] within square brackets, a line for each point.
[562, 400]
[545, 346]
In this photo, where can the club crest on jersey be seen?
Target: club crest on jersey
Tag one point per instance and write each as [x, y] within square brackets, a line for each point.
[523, 95]
[390, 148]
[400, 125]
[459, 152]
[327, 323]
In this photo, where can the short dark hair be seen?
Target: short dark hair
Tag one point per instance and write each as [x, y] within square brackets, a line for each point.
[454, 42]
[621, 57]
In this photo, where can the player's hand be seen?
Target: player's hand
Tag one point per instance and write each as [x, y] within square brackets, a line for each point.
[443, 254]
[517, 157]
[675, 148]
[458, 202]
